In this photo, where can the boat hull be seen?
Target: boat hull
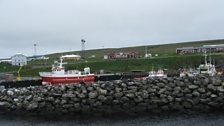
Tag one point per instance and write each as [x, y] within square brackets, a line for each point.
[68, 80]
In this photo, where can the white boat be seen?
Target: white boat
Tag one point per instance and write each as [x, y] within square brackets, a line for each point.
[207, 69]
[157, 74]
[152, 74]
[192, 72]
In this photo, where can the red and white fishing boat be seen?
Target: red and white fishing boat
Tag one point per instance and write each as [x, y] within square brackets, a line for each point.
[60, 76]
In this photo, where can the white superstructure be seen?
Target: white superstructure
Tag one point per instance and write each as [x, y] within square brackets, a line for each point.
[157, 74]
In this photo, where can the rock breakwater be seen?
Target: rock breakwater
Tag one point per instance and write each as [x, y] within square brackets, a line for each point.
[128, 96]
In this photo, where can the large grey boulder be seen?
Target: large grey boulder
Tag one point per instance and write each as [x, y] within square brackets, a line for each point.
[93, 94]
[4, 104]
[102, 92]
[192, 87]
[32, 106]
[118, 95]
[68, 95]
[211, 87]
[10, 92]
[130, 95]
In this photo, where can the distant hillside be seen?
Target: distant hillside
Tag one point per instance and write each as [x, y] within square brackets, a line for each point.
[162, 50]
[167, 59]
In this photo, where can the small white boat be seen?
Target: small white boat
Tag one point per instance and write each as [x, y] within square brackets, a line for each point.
[207, 69]
[157, 74]
[152, 74]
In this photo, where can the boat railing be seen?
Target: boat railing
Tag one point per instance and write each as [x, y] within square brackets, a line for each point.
[45, 73]
[73, 72]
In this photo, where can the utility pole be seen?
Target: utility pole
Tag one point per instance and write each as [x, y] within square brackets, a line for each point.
[146, 52]
[83, 48]
[35, 49]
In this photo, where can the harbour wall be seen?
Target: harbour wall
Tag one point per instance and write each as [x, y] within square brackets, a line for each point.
[23, 83]
[199, 94]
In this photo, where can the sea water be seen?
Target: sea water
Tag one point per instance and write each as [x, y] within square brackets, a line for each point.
[208, 119]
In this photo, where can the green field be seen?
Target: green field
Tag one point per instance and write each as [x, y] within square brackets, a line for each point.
[161, 50]
[114, 66]
[167, 59]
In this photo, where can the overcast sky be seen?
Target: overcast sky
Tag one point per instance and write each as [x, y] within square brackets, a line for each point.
[59, 25]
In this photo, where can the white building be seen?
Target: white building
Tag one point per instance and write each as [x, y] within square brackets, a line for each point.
[105, 57]
[37, 57]
[72, 57]
[19, 60]
[148, 55]
[6, 61]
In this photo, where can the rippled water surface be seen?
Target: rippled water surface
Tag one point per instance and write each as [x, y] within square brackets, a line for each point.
[164, 120]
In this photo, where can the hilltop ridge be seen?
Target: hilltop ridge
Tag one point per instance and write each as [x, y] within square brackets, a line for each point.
[163, 49]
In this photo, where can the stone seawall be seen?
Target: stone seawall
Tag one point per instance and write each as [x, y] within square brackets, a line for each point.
[128, 96]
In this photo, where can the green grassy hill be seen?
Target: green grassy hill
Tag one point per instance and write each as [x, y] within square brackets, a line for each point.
[167, 59]
[114, 66]
[162, 50]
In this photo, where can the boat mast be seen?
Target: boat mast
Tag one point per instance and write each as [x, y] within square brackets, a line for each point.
[206, 58]
[61, 62]
[210, 58]
[146, 51]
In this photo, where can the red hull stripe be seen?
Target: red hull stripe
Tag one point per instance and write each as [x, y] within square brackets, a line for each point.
[66, 80]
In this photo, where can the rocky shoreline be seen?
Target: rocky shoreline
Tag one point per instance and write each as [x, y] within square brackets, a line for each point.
[198, 94]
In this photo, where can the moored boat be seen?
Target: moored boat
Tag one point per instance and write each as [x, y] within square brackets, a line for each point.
[205, 69]
[157, 74]
[58, 75]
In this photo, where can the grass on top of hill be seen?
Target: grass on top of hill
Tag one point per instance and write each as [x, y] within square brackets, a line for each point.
[127, 65]
[166, 59]
[162, 50]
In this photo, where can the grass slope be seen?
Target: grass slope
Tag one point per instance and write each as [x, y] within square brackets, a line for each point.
[167, 59]
[171, 63]
[162, 50]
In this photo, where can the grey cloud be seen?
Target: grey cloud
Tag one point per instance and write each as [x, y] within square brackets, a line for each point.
[59, 25]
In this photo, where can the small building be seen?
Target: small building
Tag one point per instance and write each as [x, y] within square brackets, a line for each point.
[148, 55]
[37, 57]
[208, 48]
[189, 50]
[71, 57]
[19, 60]
[6, 61]
[121, 55]
[105, 57]
[93, 56]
